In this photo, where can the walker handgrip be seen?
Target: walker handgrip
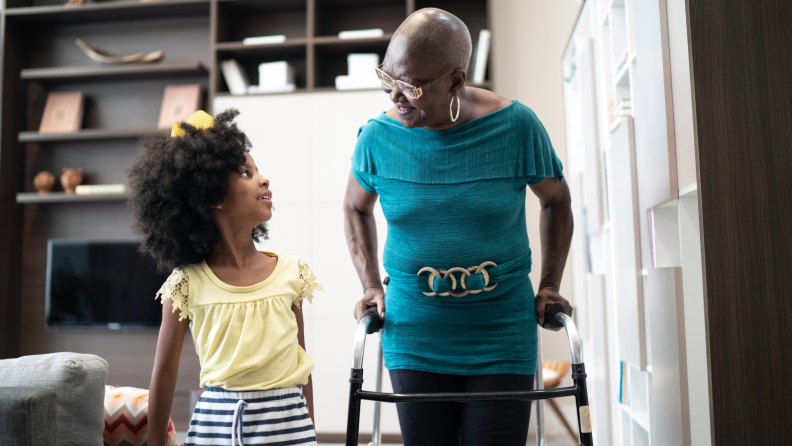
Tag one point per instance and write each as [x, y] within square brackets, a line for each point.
[550, 314]
[376, 323]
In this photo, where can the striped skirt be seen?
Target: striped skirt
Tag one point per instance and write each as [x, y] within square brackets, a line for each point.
[277, 417]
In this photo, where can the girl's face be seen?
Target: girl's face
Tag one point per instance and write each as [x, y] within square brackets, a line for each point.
[249, 200]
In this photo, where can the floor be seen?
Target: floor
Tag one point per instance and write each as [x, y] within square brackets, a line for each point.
[552, 440]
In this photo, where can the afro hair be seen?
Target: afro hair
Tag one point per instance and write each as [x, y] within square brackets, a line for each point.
[173, 184]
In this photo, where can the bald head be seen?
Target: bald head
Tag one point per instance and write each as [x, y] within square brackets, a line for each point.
[432, 37]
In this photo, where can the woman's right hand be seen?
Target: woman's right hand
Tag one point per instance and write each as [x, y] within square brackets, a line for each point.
[374, 297]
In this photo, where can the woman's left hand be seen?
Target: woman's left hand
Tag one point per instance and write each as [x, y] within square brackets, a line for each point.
[549, 296]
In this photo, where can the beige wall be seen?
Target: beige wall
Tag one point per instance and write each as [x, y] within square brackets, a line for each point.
[529, 38]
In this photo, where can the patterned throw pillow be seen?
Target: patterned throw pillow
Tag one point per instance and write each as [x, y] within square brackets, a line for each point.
[126, 417]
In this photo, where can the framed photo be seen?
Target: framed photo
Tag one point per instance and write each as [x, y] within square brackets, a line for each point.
[178, 103]
[63, 112]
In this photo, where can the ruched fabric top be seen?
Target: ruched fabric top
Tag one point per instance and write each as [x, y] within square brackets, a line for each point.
[245, 337]
[456, 198]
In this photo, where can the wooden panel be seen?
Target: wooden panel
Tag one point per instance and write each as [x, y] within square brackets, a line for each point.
[741, 67]
[11, 179]
[115, 72]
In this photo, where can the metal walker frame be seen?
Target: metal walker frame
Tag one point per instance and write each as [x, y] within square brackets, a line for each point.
[370, 323]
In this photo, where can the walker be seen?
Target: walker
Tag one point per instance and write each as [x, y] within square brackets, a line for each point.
[370, 323]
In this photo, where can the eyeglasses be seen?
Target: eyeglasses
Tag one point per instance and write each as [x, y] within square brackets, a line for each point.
[410, 91]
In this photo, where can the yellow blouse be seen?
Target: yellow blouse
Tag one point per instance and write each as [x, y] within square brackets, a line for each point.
[245, 337]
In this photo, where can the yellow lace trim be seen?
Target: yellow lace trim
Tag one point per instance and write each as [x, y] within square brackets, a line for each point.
[309, 283]
[177, 289]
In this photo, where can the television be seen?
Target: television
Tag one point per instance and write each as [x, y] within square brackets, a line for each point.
[101, 284]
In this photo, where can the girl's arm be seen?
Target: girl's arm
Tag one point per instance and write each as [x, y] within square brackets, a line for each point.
[163, 378]
[308, 388]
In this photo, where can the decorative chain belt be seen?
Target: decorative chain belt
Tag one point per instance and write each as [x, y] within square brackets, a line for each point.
[445, 275]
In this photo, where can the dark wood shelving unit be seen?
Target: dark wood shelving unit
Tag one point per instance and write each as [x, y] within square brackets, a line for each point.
[87, 135]
[119, 72]
[63, 197]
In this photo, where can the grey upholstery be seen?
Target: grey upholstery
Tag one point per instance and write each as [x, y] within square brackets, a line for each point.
[79, 384]
[28, 417]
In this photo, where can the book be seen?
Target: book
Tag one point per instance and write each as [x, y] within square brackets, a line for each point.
[482, 56]
[362, 65]
[235, 77]
[63, 112]
[361, 34]
[356, 83]
[256, 89]
[264, 40]
[275, 75]
[99, 189]
[178, 103]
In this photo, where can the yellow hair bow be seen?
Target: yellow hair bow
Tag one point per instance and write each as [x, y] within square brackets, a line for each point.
[200, 120]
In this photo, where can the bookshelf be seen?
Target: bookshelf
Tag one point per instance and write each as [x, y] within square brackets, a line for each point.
[639, 239]
[122, 103]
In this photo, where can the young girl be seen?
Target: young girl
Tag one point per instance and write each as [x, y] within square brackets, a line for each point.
[200, 203]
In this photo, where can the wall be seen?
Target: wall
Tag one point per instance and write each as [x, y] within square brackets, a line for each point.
[528, 41]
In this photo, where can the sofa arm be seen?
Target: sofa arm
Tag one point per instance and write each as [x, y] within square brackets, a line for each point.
[79, 384]
[28, 416]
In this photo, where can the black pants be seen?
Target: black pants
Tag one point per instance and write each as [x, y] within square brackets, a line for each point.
[480, 423]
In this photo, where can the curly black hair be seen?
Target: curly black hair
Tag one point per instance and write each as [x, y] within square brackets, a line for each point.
[174, 181]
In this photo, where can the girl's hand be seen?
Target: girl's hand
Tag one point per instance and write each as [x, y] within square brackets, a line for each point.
[549, 296]
[374, 296]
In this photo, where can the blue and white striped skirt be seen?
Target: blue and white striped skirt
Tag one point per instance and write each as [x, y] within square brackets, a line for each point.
[276, 417]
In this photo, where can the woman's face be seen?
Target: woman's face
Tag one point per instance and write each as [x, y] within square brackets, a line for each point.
[431, 109]
[249, 200]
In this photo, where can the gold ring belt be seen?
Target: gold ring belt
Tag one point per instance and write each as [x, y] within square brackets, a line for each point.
[446, 274]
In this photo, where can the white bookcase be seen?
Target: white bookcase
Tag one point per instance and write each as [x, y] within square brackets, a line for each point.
[635, 255]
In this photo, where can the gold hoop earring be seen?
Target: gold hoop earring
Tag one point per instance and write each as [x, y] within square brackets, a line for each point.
[451, 108]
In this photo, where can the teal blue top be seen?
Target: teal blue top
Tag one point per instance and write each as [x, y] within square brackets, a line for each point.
[456, 198]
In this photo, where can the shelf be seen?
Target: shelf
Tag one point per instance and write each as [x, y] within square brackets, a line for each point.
[93, 12]
[237, 49]
[486, 85]
[114, 72]
[88, 134]
[642, 418]
[335, 40]
[63, 197]
[622, 76]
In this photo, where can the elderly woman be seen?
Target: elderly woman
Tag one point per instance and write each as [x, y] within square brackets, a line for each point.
[450, 165]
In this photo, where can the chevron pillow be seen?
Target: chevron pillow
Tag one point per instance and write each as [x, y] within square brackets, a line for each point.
[126, 417]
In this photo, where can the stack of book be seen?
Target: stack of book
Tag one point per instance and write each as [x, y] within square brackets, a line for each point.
[274, 77]
[622, 108]
[361, 72]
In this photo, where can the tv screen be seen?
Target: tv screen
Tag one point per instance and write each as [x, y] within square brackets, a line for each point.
[101, 284]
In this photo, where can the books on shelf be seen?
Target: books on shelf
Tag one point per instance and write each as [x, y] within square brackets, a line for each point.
[235, 77]
[622, 108]
[178, 103]
[100, 189]
[63, 112]
[361, 34]
[360, 69]
[264, 40]
[275, 75]
[481, 57]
